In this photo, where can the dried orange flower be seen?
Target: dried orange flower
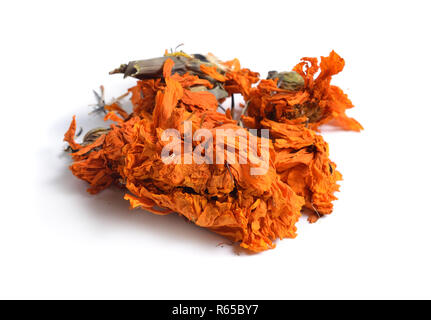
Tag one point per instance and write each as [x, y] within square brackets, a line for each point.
[300, 94]
[180, 92]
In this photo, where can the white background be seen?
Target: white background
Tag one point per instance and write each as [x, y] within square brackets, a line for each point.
[57, 241]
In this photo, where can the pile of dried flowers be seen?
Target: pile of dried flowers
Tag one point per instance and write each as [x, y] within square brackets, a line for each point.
[183, 93]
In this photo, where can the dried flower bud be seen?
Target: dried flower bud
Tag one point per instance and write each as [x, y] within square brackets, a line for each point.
[287, 80]
[93, 134]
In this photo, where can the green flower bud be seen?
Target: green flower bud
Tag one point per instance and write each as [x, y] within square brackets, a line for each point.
[287, 80]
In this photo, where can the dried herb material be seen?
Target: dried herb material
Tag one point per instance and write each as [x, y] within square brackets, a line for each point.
[254, 210]
[180, 89]
[300, 94]
[302, 161]
[292, 105]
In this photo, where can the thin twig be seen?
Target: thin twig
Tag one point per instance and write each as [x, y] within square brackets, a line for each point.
[232, 104]
[223, 109]
[230, 172]
[315, 210]
[79, 132]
